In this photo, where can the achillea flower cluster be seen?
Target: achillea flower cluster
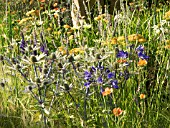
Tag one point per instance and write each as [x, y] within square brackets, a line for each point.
[121, 39]
[63, 50]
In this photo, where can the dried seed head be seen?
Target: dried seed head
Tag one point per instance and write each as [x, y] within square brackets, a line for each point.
[2, 84]
[45, 71]
[33, 59]
[60, 65]
[38, 80]
[66, 87]
[53, 56]
[1, 58]
[30, 88]
[17, 66]
[13, 60]
[29, 48]
[98, 56]
[71, 59]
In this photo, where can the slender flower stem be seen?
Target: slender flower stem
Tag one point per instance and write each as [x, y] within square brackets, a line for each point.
[85, 103]
[35, 71]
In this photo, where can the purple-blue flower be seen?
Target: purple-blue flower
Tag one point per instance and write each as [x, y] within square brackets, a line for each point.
[23, 43]
[87, 75]
[122, 54]
[110, 75]
[100, 66]
[115, 84]
[93, 69]
[87, 84]
[107, 70]
[100, 80]
[43, 49]
[143, 56]
[140, 48]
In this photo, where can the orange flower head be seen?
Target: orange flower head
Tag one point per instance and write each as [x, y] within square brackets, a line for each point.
[114, 40]
[142, 96]
[142, 62]
[107, 91]
[121, 61]
[117, 111]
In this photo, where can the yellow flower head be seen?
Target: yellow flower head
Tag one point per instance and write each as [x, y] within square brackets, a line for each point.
[62, 49]
[66, 26]
[98, 18]
[24, 20]
[135, 37]
[114, 40]
[142, 40]
[167, 15]
[76, 50]
[121, 38]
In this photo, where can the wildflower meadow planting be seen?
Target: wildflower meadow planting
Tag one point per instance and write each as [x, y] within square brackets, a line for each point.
[104, 71]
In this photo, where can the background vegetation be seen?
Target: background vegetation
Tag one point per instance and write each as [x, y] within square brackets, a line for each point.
[110, 72]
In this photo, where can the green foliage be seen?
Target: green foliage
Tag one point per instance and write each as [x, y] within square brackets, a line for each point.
[56, 75]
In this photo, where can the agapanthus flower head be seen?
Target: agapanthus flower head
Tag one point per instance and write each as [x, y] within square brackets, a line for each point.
[107, 70]
[114, 84]
[87, 84]
[43, 49]
[93, 69]
[117, 111]
[140, 48]
[100, 80]
[110, 75]
[122, 54]
[100, 66]
[143, 56]
[87, 75]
